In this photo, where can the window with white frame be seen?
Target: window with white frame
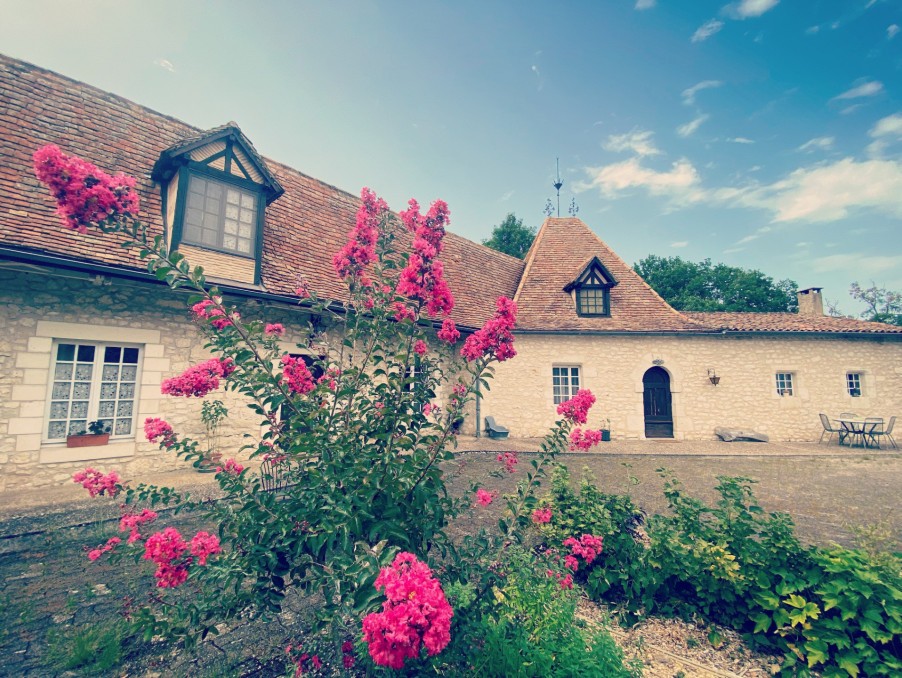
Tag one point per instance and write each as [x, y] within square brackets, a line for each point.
[784, 383]
[853, 384]
[92, 381]
[565, 383]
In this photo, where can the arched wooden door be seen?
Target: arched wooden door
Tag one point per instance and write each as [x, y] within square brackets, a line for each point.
[658, 410]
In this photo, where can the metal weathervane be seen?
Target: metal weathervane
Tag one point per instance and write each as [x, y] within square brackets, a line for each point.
[557, 184]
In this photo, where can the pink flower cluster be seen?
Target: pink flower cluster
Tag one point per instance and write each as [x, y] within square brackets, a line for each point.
[449, 332]
[509, 459]
[420, 347]
[199, 380]
[208, 310]
[360, 251]
[301, 659]
[133, 521]
[347, 654]
[415, 613]
[587, 547]
[584, 439]
[431, 408]
[494, 338]
[158, 430]
[296, 376]
[274, 329]
[484, 497]
[330, 378]
[84, 193]
[541, 516]
[97, 483]
[231, 467]
[423, 277]
[577, 408]
[111, 543]
[167, 549]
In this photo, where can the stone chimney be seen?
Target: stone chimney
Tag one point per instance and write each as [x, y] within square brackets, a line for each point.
[811, 303]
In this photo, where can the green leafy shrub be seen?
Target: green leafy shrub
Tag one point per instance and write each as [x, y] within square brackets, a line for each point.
[90, 649]
[835, 610]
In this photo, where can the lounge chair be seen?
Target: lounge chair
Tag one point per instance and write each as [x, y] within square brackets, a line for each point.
[828, 428]
[494, 430]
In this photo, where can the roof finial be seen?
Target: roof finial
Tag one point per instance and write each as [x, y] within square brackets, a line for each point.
[574, 208]
[557, 185]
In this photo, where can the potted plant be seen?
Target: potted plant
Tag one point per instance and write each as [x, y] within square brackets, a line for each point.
[98, 433]
[606, 431]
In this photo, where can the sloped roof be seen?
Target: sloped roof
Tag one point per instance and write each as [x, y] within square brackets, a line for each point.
[562, 249]
[303, 229]
[789, 322]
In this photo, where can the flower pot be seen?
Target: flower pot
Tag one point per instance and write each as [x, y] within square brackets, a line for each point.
[605, 435]
[87, 440]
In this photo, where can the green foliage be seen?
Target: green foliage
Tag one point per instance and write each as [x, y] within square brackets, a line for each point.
[591, 511]
[835, 610]
[88, 649]
[703, 286]
[883, 305]
[511, 237]
[531, 630]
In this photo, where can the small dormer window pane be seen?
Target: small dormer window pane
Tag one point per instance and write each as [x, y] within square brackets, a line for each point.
[591, 301]
[210, 221]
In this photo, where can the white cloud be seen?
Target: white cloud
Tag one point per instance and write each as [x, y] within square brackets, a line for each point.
[165, 64]
[706, 30]
[610, 180]
[885, 132]
[850, 109]
[892, 31]
[690, 127]
[817, 144]
[746, 9]
[689, 93]
[507, 196]
[754, 236]
[865, 89]
[638, 141]
[645, 4]
[679, 243]
[860, 265]
[740, 140]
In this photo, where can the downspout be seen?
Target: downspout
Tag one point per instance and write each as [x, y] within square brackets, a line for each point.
[478, 418]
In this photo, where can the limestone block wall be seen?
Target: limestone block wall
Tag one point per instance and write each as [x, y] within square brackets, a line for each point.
[612, 367]
[40, 305]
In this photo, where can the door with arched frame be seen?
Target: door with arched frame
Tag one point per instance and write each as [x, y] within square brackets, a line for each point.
[657, 403]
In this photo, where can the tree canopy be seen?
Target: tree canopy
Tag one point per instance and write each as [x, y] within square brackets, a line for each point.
[703, 286]
[883, 305]
[511, 237]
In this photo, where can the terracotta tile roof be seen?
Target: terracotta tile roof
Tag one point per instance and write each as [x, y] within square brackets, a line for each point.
[303, 228]
[562, 249]
[789, 322]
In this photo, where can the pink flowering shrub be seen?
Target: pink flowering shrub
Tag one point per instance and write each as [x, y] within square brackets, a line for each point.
[85, 194]
[577, 408]
[541, 516]
[362, 436]
[199, 380]
[111, 543]
[414, 614]
[158, 431]
[587, 547]
[494, 339]
[584, 439]
[98, 483]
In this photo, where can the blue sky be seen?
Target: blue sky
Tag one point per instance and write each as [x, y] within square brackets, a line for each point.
[761, 133]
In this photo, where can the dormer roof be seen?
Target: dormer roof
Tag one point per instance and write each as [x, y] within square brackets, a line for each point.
[565, 249]
[592, 273]
[225, 148]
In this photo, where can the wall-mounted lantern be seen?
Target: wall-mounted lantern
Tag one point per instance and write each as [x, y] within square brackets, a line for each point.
[657, 361]
[712, 377]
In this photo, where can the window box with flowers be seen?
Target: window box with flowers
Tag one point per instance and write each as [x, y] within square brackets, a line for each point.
[98, 433]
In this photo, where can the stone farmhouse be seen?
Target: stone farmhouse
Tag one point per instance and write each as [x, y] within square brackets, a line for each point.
[86, 333]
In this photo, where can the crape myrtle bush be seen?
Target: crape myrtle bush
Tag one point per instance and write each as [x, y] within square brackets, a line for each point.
[361, 520]
[834, 610]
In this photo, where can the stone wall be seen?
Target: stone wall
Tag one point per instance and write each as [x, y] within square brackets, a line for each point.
[40, 305]
[612, 367]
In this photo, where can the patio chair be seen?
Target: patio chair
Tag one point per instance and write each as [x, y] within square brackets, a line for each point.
[274, 475]
[828, 428]
[886, 433]
[494, 430]
[870, 432]
[849, 415]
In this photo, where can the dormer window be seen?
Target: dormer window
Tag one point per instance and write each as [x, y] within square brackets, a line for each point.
[591, 290]
[220, 216]
[215, 191]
